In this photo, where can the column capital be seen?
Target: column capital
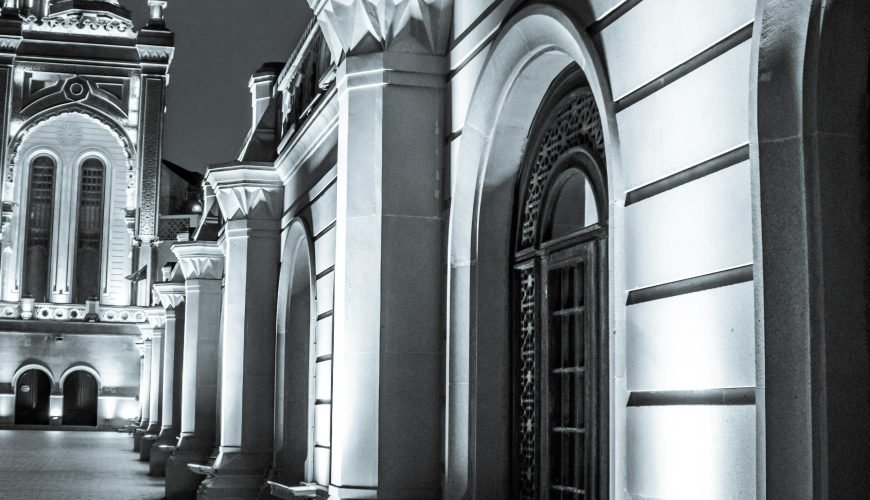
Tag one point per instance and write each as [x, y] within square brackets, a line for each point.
[171, 295]
[360, 26]
[247, 190]
[200, 260]
[156, 320]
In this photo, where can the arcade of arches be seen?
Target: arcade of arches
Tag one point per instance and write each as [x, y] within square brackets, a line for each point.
[514, 249]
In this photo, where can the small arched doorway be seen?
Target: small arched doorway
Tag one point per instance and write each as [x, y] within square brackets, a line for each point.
[80, 399]
[32, 398]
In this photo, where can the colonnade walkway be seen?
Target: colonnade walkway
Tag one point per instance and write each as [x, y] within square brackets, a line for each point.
[73, 465]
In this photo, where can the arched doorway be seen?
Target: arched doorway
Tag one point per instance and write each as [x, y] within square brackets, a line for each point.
[531, 53]
[80, 399]
[32, 398]
[559, 332]
[297, 363]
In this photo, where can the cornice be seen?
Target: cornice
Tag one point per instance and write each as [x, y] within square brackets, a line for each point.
[247, 190]
[200, 260]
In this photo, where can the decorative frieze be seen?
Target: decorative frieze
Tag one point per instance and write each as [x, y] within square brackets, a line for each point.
[200, 260]
[360, 26]
[75, 312]
[247, 191]
[81, 23]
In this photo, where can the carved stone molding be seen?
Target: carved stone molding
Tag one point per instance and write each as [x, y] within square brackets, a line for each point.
[9, 43]
[155, 53]
[81, 22]
[200, 260]
[112, 127]
[156, 317]
[360, 26]
[171, 295]
[247, 191]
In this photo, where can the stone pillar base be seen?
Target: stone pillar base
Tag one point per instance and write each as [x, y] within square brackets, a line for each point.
[236, 475]
[160, 452]
[181, 482]
[147, 442]
[137, 439]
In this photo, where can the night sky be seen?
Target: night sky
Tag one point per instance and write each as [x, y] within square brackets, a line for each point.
[218, 45]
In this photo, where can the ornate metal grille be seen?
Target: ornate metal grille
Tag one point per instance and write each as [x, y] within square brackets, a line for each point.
[528, 417]
[577, 123]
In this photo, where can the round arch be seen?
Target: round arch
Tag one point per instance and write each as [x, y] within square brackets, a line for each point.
[293, 459]
[31, 366]
[811, 164]
[533, 48]
[105, 121]
[81, 367]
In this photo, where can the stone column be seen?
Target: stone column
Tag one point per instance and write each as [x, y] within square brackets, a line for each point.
[171, 298]
[203, 266]
[387, 405]
[156, 324]
[144, 393]
[251, 198]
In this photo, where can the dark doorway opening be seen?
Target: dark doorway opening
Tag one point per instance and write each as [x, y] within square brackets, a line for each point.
[80, 399]
[32, 398]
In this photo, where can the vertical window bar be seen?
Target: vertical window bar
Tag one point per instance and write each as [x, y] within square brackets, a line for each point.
[90, 225]
[38, 238]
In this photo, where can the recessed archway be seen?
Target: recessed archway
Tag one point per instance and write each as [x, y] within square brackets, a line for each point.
[811, 160]
[293, 448]
[32, 395]
[80, 386]
[533, 48]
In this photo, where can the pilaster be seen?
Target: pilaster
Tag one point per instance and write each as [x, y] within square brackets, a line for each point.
[251, 197]
[10, 38]
[387, 416]
[154, 329]
[202, 264]
[171, 296]
[154, 44]
[144, 393]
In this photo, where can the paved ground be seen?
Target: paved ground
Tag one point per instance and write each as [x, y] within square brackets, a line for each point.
[69, 465]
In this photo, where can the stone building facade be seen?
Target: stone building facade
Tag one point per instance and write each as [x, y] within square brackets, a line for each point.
[521, 249]
[82, 118]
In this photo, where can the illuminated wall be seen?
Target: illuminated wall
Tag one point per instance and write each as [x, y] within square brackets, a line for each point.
[115, 359]
[683, 367]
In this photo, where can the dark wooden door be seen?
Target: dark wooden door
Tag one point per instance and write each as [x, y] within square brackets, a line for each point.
[32, 398]
[80, 399]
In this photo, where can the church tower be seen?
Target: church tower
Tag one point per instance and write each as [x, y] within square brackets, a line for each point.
[82, 117]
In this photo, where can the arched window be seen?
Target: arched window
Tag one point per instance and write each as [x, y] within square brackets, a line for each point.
[560, 336]
[37, 249]
[90, 225]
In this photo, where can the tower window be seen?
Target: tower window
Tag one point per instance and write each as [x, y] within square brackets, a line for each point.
[37, 251]
[90, 224]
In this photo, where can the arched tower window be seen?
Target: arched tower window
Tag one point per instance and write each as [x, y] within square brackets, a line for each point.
[37, 250]
[560, 335]
[90, 224]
